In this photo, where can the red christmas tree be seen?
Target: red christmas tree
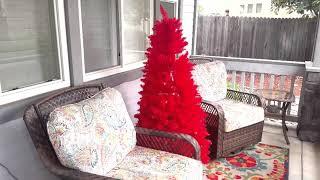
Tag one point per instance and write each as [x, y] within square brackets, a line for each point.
[170, 101]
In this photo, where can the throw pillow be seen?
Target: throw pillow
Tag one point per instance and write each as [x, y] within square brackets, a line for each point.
[211, 79]
[130, 94]
[93, 135]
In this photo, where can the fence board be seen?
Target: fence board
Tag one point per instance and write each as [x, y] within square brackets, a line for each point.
[253, 37]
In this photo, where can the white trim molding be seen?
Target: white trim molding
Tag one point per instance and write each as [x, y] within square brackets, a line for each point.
[27, 92]
[62, 40]
[64, 81]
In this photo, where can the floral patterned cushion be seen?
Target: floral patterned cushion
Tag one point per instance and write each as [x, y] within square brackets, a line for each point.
[239, 115]
[93, 135]
[144, 163]
[211, 79]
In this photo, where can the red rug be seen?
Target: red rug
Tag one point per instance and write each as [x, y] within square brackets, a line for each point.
[261, 161]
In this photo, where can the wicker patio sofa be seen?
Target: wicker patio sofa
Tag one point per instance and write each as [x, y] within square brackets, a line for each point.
[224, 143]
[36, 115]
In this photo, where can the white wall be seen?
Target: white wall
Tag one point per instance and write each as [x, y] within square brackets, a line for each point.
[187, 21]
[316, 55]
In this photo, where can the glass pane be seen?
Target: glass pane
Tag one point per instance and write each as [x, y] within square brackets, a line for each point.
[28, 49]
[241, 9]
[99, 38]
[136, 26]
[250, 7]
[258, 8]
[170, 7]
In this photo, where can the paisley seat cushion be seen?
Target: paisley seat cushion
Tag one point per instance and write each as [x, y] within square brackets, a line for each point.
[211, 79]
[239, 115]
[144, 163]
[94, 135]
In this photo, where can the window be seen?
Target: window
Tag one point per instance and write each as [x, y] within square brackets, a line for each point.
[241, 9]
[258, 8]
[170, 7]
[113, 36]
[137, 24]
[99, 34]
[33, 52]
[250, 7]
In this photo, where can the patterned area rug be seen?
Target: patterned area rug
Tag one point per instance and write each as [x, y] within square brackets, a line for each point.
[261, 161]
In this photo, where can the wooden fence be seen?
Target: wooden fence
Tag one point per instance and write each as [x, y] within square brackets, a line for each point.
[251, 37]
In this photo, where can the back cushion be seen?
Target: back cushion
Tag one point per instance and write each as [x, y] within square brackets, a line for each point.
[211, 79]
[93, 135]
[130, 93]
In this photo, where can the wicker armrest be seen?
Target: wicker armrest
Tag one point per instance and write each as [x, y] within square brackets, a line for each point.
[200, 59]
[215, 113]
[215, 126]
[243, 97]
[177, 143]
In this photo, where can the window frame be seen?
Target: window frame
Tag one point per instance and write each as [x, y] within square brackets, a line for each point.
[62, 50]
[122, 67]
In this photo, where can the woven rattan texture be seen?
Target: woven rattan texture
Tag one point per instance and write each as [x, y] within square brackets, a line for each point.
[174, 142]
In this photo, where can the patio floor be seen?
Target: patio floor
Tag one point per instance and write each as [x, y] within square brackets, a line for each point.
[304, 156]
[18, 154]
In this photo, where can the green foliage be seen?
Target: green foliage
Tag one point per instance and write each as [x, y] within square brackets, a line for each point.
[230, 86]
[200, 9]
[304, 7]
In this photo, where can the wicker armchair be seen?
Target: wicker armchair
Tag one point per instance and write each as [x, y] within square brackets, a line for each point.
[36, 116]
[224, 143]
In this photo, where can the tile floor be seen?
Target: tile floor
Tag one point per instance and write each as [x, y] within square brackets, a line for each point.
[304, 158]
